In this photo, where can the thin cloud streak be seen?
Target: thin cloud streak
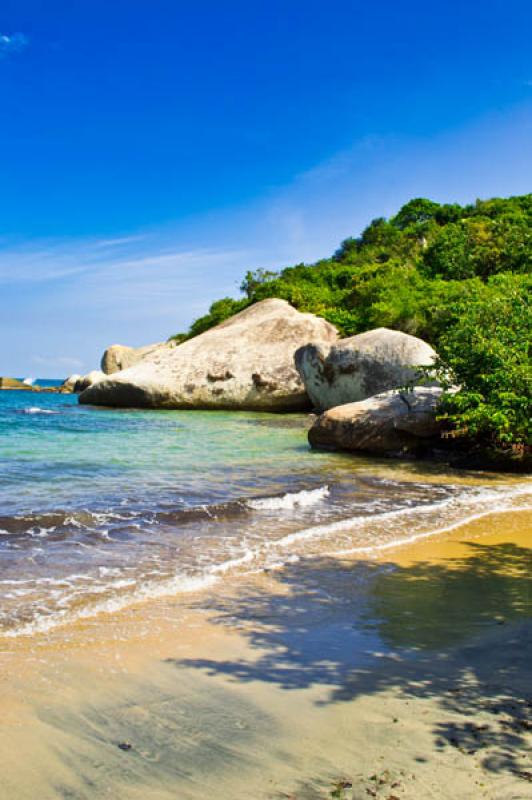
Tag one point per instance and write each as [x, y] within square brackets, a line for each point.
[55, 260]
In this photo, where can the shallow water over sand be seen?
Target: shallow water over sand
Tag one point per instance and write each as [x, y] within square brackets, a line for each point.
[102, 508]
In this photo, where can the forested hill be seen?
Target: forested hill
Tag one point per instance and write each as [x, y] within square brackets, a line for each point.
[457, 276]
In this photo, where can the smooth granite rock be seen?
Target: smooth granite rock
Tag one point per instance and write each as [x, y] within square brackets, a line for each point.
[88, 380]
[361, 366]
[246, 362]
[119, 356]
[388, 423]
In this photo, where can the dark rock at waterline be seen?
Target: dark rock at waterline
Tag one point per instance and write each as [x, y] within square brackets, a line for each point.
[495, 459]
[389, 423]
[69, 385]
[404, 423]
[85, 381]
[75, 383]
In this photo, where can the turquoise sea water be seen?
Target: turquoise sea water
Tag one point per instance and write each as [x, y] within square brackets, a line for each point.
[100, 508]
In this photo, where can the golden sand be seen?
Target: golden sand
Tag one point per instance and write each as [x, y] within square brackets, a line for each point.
[493, 529]
[280, 684]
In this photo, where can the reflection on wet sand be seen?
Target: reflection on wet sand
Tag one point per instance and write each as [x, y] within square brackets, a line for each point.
[407, 676]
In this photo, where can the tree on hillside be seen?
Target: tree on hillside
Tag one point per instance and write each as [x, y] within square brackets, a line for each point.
[453, 275]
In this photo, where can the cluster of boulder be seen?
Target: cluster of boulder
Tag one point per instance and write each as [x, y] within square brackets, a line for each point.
[365, 388]
[271, 357]
[246, 362]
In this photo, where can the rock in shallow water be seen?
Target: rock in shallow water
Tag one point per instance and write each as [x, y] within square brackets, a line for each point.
[389, 423]
[88, 380]
[246, 362]
[69, 385]
[361, 366]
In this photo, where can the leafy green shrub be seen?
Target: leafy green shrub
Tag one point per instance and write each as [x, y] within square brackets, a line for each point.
[486, 353]
[480, 246]
[414, 212]
[219, 311]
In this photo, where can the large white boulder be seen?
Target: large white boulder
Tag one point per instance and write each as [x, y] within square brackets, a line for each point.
[361, 366]
[392, 422]
[246, 362]
[119, 356]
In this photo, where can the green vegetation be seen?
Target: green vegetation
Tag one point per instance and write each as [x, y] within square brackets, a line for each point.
[457, 276]
[219, 310]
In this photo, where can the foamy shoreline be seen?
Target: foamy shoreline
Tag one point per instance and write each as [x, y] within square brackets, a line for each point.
[398, 528]
[284, 683]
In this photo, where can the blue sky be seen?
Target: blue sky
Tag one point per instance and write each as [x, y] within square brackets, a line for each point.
[153, 150]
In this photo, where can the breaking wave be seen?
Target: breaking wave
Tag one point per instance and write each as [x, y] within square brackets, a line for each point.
[290, 500]
[251, 542]
[37, 410]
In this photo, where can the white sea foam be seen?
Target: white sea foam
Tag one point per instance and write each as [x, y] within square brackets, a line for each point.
[425, 534]
[234, 563]
[322, 531]
[493, 499]
[179, 584]
[291, 500]
[38, 410]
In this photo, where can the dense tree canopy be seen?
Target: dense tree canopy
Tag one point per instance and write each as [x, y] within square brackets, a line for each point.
[457, 276]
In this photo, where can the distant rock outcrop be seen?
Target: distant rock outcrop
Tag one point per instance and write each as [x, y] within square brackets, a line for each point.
[246, 362]
[69, 385]
[118, 357]
[361, 366]
[85, 381]
[14, 383]
[389, 423]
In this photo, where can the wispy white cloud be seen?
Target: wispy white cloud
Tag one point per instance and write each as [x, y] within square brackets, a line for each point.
[143, 286]
[121, 263]
[62, 362]
[120, 240]
[12, 43]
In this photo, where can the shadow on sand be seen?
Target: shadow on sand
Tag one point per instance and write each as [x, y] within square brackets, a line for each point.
[455, 632]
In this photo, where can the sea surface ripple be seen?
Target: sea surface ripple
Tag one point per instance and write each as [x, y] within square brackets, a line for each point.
[101, 508]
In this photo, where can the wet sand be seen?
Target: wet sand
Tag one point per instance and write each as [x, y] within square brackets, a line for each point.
[406, 675]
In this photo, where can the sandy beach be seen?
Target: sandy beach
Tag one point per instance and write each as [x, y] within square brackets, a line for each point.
[405, 675]
[265, 370]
